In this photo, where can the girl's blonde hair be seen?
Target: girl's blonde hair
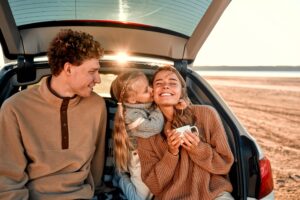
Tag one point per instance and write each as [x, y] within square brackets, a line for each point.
[120, 91]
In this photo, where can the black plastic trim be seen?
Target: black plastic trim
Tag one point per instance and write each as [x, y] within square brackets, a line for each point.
[5, 47]
[242, 190]
[102, 23]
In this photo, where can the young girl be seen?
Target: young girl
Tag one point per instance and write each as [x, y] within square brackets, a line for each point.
[136, 117]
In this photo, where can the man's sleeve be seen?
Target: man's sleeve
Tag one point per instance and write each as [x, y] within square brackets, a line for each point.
[13, 162]
[98, 160]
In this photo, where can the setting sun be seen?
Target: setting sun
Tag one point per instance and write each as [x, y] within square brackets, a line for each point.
[122, 57]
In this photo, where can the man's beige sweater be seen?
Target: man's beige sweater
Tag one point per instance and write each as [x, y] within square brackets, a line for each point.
[33, 163]
[198, 174]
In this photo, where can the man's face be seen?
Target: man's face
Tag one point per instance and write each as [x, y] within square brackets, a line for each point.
[84, 77]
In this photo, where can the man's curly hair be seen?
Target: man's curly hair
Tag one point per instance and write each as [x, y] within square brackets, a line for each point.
[73, 47]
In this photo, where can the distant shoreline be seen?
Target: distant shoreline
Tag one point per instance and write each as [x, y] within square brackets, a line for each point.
[247, 68]
[249, 71]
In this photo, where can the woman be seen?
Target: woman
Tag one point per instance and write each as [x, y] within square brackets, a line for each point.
[194, 166]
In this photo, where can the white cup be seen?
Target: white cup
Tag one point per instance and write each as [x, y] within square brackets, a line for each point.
[190, 128]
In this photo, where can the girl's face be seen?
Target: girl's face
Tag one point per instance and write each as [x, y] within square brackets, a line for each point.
[143, 92]
[166, 88]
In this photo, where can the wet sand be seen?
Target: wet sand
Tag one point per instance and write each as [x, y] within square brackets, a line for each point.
[270, 110]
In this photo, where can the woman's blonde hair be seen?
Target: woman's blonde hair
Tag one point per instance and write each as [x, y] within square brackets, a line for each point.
[181, 117]
[120, 91]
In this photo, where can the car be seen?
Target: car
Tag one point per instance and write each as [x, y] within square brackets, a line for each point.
[143, 35]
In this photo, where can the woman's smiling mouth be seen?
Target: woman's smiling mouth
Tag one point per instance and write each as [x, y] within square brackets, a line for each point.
[166, 94]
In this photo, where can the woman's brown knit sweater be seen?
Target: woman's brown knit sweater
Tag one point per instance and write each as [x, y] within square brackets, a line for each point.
[198, 174]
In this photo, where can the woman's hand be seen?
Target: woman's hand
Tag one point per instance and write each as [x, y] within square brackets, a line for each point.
[174, 141]
[190, 140]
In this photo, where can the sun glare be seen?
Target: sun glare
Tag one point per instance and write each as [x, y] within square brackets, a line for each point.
[122, 57]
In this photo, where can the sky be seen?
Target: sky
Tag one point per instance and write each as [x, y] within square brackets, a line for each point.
[253, 33]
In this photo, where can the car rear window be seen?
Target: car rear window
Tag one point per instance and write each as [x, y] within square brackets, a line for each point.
[179, 16]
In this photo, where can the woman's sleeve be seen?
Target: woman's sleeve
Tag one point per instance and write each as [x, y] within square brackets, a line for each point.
[13, 162]
[215, 156]
[157, 172]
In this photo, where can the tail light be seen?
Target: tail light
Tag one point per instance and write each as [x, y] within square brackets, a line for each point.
[266, 178]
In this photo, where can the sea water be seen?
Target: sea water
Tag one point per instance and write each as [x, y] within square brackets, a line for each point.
[291, 74]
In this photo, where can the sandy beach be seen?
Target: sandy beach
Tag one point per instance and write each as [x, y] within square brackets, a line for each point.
[269, 109]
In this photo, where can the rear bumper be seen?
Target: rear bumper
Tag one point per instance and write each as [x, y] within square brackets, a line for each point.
[270, 196]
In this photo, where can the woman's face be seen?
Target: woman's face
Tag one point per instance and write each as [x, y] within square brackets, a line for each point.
[166, 88]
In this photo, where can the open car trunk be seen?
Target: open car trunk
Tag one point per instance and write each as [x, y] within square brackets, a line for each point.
[158, 29]
[172, 31]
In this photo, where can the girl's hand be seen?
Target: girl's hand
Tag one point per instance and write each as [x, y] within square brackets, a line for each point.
[174, 141]
[190, 140]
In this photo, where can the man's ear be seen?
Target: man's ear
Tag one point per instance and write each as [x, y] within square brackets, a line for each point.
[67, 68]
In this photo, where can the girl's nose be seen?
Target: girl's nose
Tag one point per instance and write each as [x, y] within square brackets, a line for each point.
[150, 89]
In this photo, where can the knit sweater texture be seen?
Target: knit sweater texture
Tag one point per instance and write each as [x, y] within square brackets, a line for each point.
[33, 164]
[198, 174]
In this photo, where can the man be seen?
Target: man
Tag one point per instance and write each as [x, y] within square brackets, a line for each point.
[52, 136]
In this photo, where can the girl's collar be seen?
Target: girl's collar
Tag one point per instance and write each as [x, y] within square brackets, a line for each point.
[140, 105]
